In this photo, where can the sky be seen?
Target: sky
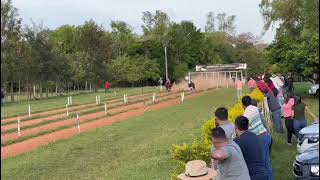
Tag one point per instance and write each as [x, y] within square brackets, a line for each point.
[54, 13]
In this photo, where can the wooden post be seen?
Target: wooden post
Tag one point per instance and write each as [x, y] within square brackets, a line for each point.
[19, 126]
[78, 122]
[154, 97]
[67, 109]
[29, 110]
[105, 108]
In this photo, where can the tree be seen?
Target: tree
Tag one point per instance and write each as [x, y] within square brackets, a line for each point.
[11, 45]
[126, 70]
[296, 45]
[209, 27]
[122, 37]
[226, 23]
[92, 41]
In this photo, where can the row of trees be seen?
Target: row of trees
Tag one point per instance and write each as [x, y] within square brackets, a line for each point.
[296, 45]
[76, 56]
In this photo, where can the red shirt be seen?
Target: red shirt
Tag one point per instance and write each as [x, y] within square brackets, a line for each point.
[262, 86]
[107, 85]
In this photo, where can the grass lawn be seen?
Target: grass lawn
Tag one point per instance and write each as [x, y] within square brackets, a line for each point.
[12, 109]
[135, 149]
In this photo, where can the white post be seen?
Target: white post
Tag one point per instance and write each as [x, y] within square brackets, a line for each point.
[78, 123]
[29, 110]
[19, 126]
[182, 96]
[124, 98]
[68, 100]
[154, 97]
[67, 109]
[105, 108]
[34, 90]
[189, 77]
[217, 82]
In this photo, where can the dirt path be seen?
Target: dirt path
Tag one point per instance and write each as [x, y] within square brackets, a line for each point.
[57, 116]
[30, 144]
[75, 107]
[67, 122]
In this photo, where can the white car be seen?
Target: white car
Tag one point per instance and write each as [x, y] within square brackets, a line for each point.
[314, 90]
[308, 138]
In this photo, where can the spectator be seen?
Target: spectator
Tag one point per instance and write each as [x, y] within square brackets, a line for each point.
[252, 84]
[160, 83]
[251, 152]
[276, 112]
[228, 157]
[264, 122]
[263, 86]
[239, 85]
[256, 126]
[299, 121]
[288, 114]
[221, 115]
[267, 79]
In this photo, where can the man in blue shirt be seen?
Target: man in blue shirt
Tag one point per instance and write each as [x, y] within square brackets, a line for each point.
[251, 150]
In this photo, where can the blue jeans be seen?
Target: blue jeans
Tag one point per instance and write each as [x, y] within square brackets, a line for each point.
[266, 144]
[298, 125]
[276, 117]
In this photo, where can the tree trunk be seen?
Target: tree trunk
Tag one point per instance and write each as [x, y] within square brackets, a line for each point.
[86, 86]
[11, 92]
[19, 96]
[90, 86]
[47, 92]
[40, 88]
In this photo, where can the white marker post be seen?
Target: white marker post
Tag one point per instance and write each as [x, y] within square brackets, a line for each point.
[67, 109]
[78, 123]
[105, 108]
[68, 100]
[19, 126]
[182, 96]
[124, 98]
[29, 110]
[99, 98]
[154, 97]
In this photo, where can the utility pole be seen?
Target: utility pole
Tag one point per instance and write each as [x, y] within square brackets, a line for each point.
[166, 60]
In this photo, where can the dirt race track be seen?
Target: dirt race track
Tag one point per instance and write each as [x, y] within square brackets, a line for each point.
[50, 126]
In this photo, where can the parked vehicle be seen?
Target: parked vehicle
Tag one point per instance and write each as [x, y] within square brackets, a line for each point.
[314, 90]
[306, 164]
[308, 138]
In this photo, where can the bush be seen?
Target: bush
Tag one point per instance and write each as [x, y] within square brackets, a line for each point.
[200, 148]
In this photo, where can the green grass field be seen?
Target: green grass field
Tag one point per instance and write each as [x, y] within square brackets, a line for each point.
[138, 148]
[13, 109]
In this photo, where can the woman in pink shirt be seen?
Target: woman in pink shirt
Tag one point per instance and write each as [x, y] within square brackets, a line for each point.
[288, 114]
[252, 84]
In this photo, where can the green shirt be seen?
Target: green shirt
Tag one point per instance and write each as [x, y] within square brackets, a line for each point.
[299, 111]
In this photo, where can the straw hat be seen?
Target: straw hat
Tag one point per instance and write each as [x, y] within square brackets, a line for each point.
[197, 170]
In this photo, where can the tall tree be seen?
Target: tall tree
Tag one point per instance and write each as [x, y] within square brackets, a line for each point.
[122, 37]
[226, 23]
[296, 44]
[209, 27]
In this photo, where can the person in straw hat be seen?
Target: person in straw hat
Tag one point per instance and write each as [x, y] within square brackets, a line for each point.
[197, 170]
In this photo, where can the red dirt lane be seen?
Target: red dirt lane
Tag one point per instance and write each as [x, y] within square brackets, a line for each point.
[11, 136]
[54, 117]
[30, 144]
[75, 107]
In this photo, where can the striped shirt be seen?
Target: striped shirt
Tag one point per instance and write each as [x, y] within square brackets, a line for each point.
[255, 123]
